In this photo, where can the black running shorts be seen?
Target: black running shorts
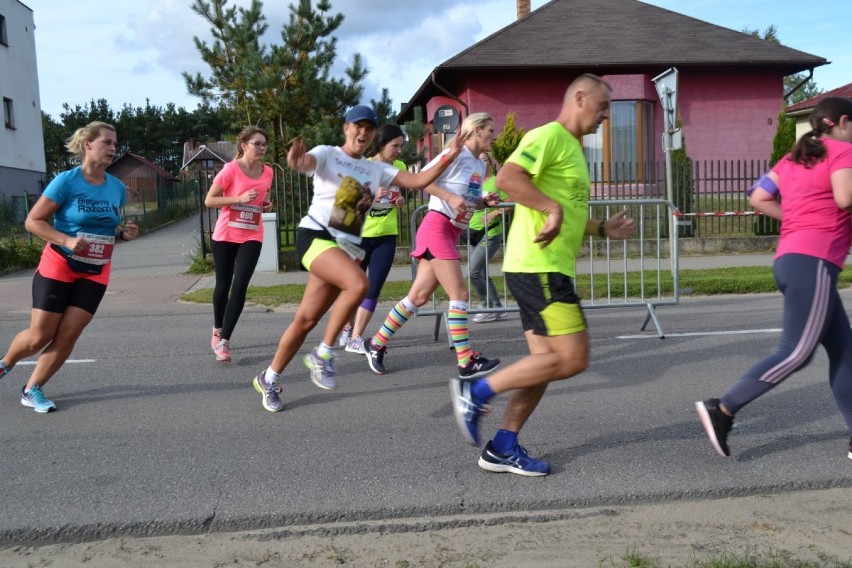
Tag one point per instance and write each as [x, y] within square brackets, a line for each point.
[548, 302]
[54, 295]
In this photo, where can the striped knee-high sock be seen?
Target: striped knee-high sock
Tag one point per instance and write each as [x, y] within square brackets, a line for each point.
[397, 317]
[459, 331]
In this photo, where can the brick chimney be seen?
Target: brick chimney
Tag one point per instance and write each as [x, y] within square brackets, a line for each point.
[523, 8]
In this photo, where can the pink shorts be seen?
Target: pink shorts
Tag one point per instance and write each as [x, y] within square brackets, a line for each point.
[437, 236]
[52, 265]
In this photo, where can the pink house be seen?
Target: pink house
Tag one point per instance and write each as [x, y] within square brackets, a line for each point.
[730, 89]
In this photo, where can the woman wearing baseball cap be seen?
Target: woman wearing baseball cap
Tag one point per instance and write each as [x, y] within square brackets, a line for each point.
[327, 243]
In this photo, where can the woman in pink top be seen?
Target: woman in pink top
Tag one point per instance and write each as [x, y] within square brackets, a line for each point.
[814, 183]
[241, 191]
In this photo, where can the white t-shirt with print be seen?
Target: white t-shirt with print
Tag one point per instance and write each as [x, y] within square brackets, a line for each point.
[343, 191]
[463, 177]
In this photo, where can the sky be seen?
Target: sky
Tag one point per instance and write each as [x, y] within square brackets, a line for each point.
[130, 52]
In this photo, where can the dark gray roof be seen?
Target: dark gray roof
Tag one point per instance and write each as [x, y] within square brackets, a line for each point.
[614, 37]
[596, 33]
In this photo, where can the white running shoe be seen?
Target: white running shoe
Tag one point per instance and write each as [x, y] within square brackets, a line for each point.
[356, 345]
[345, 335]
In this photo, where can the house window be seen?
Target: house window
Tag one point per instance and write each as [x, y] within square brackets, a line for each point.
[623, 147]
[8, 113]
[3, 38]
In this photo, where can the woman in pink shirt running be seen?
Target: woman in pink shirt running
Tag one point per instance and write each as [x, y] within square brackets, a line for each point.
[241, 191]
[814, 182]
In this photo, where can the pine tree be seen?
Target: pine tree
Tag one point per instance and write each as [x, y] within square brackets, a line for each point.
[383, 108]
[414, 130]
[806, 91]
[785, 137]
[157, 133]
[287, 89]
[508, 140]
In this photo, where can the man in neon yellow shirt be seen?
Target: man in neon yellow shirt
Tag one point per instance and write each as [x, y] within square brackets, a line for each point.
[548, 179]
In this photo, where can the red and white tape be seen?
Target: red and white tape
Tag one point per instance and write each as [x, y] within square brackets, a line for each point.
[716, 214]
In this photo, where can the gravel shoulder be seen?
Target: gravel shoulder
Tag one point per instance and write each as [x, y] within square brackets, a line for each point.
[809, 526]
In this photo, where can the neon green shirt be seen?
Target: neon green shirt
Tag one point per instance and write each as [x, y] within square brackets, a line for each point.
[380, 220]
[555, 160]
[476, 220]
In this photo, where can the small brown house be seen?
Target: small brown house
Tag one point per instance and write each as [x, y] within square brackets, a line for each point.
[209, 157]
[144, 179]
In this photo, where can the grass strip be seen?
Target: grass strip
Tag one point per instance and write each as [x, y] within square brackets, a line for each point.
[734, 280]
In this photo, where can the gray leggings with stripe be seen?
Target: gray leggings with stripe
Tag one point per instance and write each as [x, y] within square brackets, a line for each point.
[813, 314]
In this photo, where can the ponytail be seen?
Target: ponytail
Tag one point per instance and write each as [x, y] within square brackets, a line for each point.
[809, 149]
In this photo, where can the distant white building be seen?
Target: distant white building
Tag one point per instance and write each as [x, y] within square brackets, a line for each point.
[22, 162]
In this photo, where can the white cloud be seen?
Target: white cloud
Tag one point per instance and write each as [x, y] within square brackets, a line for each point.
[127, 51]
[401, 61]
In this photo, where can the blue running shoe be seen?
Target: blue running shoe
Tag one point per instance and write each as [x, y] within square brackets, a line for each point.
[270, 391]
[517, 460]
[322, 370]
[35, 399]
[4, 370]
[467, 410]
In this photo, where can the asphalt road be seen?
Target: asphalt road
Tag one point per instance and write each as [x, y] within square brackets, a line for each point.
[153, 437]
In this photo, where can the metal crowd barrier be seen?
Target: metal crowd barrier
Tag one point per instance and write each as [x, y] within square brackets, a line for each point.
[606, 270]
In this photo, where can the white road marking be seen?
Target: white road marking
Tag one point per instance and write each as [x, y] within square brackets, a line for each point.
[67, 361]
[704, 333]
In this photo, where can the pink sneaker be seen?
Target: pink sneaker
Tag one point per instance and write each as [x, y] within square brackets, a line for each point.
[222, 351]
[217, 335]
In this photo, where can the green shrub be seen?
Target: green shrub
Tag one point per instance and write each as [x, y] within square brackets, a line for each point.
[18, 251]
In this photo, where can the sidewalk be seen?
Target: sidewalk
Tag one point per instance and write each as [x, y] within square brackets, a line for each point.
[156, 265]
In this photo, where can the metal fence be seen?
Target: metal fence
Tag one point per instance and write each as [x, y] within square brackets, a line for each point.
[293, 191]
[641, 272]
[13, 212]
[161, 204]
[710, 196]
[154, 201]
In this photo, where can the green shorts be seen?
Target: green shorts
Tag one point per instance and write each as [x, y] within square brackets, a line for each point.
[548, 303]
[309, 245]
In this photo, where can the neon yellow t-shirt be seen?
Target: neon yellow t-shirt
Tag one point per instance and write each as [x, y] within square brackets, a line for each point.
[476, 220]
[382, 220]
[555, 160]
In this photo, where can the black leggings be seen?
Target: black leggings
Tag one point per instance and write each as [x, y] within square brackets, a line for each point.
[234, 263]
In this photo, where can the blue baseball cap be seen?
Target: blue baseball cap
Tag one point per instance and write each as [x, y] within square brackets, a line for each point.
[361, 112]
